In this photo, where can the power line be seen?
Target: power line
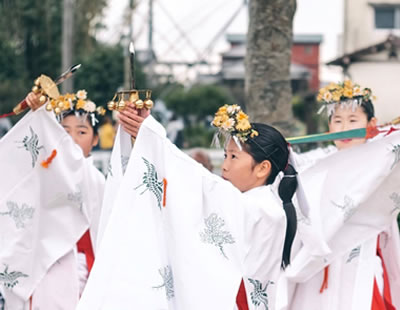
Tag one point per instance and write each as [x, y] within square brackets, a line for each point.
[213, 42]
[179, 29]
[201, 21]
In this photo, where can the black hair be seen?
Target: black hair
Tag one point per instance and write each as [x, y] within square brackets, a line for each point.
[82, 113]
[271, 145]
[368, 108]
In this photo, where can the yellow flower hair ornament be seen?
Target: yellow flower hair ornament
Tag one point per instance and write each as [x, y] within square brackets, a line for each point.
[347, 94]
[232, 121]
[76, 102]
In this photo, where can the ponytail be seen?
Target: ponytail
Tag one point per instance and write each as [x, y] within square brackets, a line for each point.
[286, 190]
[270, 145]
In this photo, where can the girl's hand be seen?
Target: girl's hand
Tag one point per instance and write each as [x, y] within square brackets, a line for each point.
[131, 119]
[33, 101]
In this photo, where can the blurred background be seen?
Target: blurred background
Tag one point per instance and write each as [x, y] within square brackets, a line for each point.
[192, 55]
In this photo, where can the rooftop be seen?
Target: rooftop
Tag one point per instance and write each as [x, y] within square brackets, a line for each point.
[297, 38]
[391, 44]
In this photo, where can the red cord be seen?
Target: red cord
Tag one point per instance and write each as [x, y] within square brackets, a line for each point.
[165, 192]
[7, 115]
[47, 162]
[325, 281]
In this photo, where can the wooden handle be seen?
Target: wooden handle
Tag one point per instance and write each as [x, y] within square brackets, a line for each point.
[23, 105]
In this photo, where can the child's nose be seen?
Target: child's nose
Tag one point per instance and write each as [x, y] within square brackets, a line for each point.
[345, 126]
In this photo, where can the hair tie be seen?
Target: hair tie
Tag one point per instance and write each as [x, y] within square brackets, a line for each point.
[290, 176]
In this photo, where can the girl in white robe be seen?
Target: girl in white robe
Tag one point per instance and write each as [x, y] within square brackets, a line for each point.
[59, 285]
[189, 237]
[366, 275]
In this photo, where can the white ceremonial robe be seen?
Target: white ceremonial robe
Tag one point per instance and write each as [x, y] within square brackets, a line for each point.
[357, 193]
[116, 169]
[390, 246]
[43, 212]
[193, 252]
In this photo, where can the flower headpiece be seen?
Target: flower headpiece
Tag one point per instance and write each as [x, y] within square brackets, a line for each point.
[76, 102]
[346, 93]
[230, 119]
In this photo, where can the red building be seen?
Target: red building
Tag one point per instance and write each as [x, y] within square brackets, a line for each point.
[304, 70]
[305, 52]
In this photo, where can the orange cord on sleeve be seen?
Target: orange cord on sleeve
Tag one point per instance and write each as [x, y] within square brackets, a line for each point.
[165, 192]
[325, 281]
[47, 162]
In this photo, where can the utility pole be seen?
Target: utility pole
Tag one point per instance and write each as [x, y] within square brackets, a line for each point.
[150, 38]
[67, 42]
[150, 71]
[127, 82]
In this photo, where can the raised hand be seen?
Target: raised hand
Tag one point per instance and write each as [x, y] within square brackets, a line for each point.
[33, 101]
[130, 119]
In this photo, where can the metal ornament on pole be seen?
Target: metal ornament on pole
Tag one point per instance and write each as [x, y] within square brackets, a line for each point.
[140, 98]
[47, 88]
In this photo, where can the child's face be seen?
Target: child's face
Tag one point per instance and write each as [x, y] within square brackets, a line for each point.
[345, 119]
[238, 168]
[81, 132]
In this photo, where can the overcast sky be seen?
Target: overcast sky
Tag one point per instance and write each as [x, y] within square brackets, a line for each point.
[201, 20]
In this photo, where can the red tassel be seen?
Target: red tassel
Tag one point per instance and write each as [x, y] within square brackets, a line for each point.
[372, 132]
[391, 129]
[165, 192]
[7, 115]
[325, 281]
[47, 162]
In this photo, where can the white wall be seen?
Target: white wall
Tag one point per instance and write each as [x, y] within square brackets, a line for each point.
[359, 24]
[384, 80]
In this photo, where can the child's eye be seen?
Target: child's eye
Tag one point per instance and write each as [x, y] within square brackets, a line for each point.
[234, 156]
[353, 121]
[82, 132]
[225, 156]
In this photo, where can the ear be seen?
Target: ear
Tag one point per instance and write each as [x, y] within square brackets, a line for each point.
[95, 140]
[373, 122]
[263, 169]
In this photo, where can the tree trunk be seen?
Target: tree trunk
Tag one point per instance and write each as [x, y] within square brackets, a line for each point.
[67, 43]
[268, 57]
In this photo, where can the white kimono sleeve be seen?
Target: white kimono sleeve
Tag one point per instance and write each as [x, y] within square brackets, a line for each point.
[180, 237]
[43, 211]
[357, 193]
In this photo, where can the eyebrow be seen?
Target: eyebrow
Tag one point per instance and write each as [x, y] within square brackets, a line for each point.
[79, 126]
[230, 150]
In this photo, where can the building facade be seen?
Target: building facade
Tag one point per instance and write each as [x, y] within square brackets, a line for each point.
[370, 57]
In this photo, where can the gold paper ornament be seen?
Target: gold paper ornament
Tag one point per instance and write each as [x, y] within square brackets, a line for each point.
[42, 99]
[121, 105]
[36, 89]
[57, 110]
[134, 95]
[139, 104]
[148, 104]
[49, 107]
[101, 111]
[111, 105]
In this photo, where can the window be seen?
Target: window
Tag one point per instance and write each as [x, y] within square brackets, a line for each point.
[387, 17]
